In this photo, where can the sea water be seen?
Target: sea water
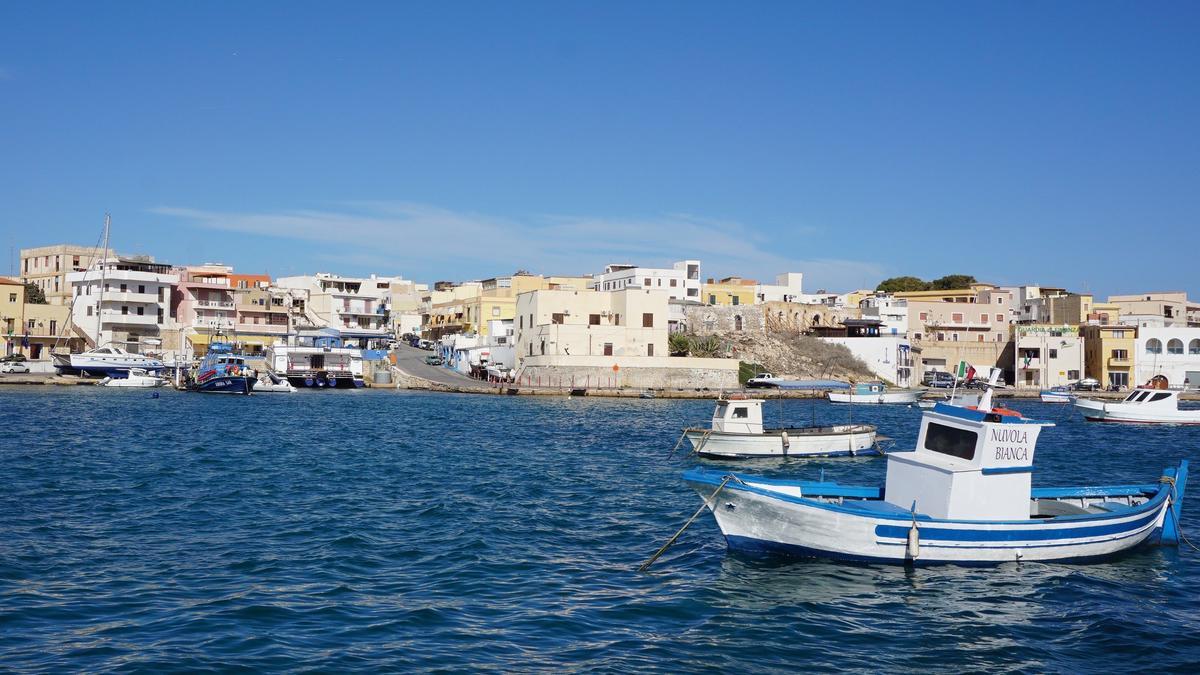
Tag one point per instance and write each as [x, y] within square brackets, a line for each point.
[382, 530]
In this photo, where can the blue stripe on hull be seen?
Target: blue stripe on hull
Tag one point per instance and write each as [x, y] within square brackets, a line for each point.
[795, 455]
[759, 546]
[1037, 532]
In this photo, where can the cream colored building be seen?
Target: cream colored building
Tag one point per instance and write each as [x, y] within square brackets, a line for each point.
[981, 314]
[469, 307]
[1171, 309]
[581, 323]
[47, 267]
[598, 339]
[1047, 356]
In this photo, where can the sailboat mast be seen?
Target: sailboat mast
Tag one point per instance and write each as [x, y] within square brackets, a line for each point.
[103, 267]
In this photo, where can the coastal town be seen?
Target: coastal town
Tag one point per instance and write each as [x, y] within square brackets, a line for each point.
[626, 327]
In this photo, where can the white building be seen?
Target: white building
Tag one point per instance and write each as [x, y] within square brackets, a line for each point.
[891, 312]
[123, 301]
[1171, 352]
[681, 282]
[788, 287]
[356, 306]
[1047, 356]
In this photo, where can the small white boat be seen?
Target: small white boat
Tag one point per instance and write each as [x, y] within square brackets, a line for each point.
[271, 383]
[924, 404]
[1144, 405]
[963, 496]
[737, 432]
[874, 392]
[1056, 395]
[137, 377]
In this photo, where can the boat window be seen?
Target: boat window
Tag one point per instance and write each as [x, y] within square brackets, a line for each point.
[1159, 396]
[740, 413]
[1132, 396]
[1142, 396]
[950, 440]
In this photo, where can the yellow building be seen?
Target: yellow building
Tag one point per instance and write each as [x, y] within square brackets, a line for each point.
[12, 314]
[1110, 353]
[43, 327]
[957, 295]
[468, 307]
[730, 291]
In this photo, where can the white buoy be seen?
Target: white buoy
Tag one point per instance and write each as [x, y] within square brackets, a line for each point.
[787, 442]
[913, 548]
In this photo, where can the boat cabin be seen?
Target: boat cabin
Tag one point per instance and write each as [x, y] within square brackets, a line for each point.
[1159, 398]
[968, 465]
[738, 415]
[868, 388]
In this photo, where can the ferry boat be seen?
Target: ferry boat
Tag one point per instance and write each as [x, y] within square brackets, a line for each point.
[874, 392]
[1056, 395]
[108, 360]
[1143, 405]
[737, 431]
[223, 372]
[321, 367]
[963, 496]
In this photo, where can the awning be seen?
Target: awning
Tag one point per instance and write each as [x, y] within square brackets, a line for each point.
[810, 384]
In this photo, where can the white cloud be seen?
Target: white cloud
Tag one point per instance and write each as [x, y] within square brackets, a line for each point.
[428, 241]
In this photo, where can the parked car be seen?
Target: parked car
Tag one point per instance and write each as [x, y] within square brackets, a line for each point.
[12, 357]
[938, 378]
[1087, 384]
[434, 360]
[762, 380]
[13, 367]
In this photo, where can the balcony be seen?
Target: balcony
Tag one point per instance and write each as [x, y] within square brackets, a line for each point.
[108, 316]
[1119, 362]
[262, 328]
[216, 304]
[129, 296]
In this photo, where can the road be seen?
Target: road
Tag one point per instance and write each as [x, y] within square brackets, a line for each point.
[412, 362]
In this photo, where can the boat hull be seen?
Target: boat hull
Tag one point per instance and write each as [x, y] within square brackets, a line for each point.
[226, 384]
[906, 397]
[134, 382]
[1055, 397]
[836, 441]
[757, 515]
[303, 382]
[1103, 411]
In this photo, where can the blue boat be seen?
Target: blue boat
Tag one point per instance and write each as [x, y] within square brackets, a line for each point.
[963, 496]
[223, 372]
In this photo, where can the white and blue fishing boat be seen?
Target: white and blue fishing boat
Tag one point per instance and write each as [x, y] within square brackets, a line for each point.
[963, 496]
[1056, 395]
[223, 372]
[874, 392]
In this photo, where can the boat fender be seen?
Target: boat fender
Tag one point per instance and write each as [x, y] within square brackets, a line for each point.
[787, 442]
[912, 548]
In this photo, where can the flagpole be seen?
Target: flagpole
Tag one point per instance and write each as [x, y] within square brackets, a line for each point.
[954, 389]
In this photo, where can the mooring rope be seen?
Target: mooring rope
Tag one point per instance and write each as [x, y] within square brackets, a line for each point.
[670, 541]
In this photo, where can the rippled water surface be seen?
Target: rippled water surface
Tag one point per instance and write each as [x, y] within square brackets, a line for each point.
[378, 530]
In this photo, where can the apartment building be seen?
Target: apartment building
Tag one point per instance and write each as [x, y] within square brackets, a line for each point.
[1171, 309]
[681, 281]
[47, 268]
[357, 307]
[730, 291]
[1110, 353]
[124, 301]
[1047, 356]
[1172, 352]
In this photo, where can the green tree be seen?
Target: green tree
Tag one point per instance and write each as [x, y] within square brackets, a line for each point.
[34, 295]
[902, 285]
[952, 282]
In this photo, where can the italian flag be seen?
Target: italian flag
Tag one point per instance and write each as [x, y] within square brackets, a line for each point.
[965, 370]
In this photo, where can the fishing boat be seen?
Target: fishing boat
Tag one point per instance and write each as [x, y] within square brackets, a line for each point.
[963, 496]
[1056, 395]
[136, 377]
[223, 372]
[1144, 405]
[962, 398]
[874, 392]
[736, 431]
[270, 383]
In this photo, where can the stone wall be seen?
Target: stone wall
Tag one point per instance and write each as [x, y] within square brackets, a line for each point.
[770, 317]
[630, 372]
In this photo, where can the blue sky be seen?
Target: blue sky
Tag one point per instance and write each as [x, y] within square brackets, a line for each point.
[1051, 143]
